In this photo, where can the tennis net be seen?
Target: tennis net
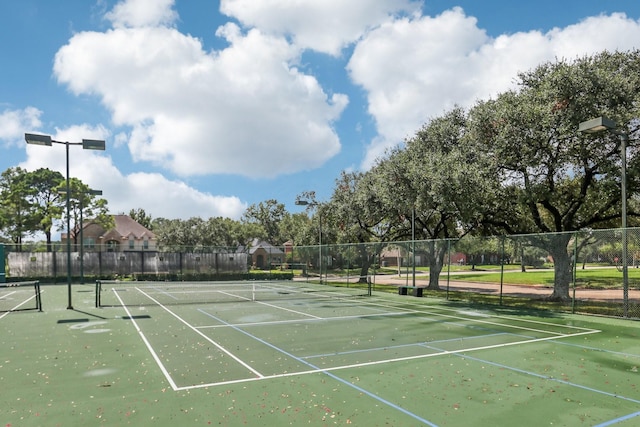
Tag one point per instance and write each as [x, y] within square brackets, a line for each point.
[141, 293]
[16, 296]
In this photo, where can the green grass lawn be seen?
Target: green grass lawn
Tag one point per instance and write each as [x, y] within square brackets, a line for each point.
[594, 278]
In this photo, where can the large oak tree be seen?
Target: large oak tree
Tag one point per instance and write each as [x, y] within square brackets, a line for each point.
[557, 179]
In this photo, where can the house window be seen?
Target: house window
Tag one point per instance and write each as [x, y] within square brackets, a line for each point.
[132, 243]
[145, 243]
[89, 243]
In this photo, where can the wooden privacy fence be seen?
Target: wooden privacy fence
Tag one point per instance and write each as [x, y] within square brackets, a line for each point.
[54, 264]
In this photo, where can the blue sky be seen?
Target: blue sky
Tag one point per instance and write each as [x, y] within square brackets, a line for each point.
[208, 107]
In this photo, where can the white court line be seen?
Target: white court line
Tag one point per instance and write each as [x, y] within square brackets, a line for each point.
[269, 305]
[476, 320]
[221, 348]
[147, 343]
[290, 310]
[555, 336]
[6, 313]
[380, 362]
[155, 355]
[315, 319]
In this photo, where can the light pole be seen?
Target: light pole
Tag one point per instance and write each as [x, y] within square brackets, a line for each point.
[87, 144]
[315, 204]
[602, 124]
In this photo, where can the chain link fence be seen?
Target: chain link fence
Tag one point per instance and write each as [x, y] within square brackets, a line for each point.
[579, 272]
[589, 271]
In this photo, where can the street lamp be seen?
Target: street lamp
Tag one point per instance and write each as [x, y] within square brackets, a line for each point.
[602, 124]
[315, 204]
[87, 144]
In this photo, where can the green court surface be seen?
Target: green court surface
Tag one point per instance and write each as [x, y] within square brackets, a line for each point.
[315, 358]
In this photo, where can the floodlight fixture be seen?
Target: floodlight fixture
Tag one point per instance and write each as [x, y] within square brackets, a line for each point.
[36, 139]
[93, 144]
[597, 125]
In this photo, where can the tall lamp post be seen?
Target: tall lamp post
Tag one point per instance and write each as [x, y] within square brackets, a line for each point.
[87, 144]
[315, 204]
[602, 124]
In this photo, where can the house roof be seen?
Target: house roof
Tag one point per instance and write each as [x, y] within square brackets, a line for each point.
[257, 244]
[125, 226]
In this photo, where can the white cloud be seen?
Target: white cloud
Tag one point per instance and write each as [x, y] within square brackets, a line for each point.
[414, 69]
[145, 189]
[157, 195]
[142, 13]
[251, 109]
[245, 110]
[325, 26]
[14, 122]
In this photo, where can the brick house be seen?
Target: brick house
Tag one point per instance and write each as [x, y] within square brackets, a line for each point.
[126, 235]
[263, 254]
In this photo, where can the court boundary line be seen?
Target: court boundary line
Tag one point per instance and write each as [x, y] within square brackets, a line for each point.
[259, 376]
[335, 377]
[6, 313]
[497, 316]
[384, 361]
[314, 319]
[404, 310]
[154, 355]
[549, 378]
[157, 359]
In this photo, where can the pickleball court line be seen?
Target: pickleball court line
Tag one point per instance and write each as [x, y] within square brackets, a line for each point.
[147, 343]
[475, 320]
[379, 362]
[314, 319]
[318, 369]
[155, 356]
[325, 370]
[2, 315]
[544, 377]
[564, 382]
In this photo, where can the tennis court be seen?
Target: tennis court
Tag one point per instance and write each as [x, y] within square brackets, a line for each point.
[287, 353]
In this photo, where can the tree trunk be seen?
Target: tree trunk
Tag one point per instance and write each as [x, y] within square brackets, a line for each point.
[436, 252]
[48, 236]
[563, 268]
[366, 263]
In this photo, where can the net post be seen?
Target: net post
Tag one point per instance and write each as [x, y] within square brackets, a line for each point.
[98, 288]
[38, 297]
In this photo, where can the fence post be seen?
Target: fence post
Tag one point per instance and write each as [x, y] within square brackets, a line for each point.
[2, 265]
[448, 268]
[501, 267]
[575, 271]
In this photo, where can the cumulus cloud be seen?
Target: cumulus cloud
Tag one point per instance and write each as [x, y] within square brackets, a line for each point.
[159, 196]
[253, 109]
[14, 122]
[325, 26]
[246, 110]
[142, 13]
[415, 68]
